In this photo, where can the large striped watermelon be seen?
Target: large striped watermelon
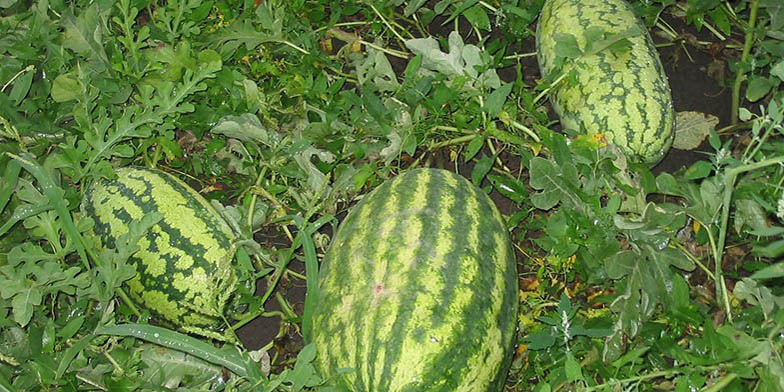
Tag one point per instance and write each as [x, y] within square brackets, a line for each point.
[418, 290]
[621, 93]
[184, 271]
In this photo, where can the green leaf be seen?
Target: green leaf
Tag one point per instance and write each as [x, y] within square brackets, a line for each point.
[759, 87]
[482, 167]
[749, 213]
[21, 87]
[66, 87]
[778, 70]
[770, 272]
[540, 340]
[473, 147]
[495, 101]
[54, 194]
[509, 187]
[311, 273]
[304, 373]
[572, 368]
[699, 169]
[169, 368]
[23, 303]
[477, 16]
[7, 186]
[178, 341]
[566, 46]
[556, 184]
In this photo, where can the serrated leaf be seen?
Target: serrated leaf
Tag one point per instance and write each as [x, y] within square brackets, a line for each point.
[22, 304]
[246, 127]
[168, 368]
[647, 282]
[433, 58]
[691, 129]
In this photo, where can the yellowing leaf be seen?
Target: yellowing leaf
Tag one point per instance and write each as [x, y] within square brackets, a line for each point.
[691, 128]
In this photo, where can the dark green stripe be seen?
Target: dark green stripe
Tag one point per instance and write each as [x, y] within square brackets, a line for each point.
[408, 299]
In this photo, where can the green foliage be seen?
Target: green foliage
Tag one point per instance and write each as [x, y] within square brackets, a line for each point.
[283, 113]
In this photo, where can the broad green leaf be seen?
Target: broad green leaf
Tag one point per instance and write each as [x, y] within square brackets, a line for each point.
[770, 272]
[482, 167]
[572, 368]
[477, 16]
[566, 46]
[23, 303]
[169, 368]
[21, 87]
[759, 87]
[699, 169]
[749, 213]
[473, 147]
[691, 129]
[246, 127]
[304, 373]
[556, 184]
[509, 187]
[495, 101]
[540, 340]
[66, 87]
[778, 70]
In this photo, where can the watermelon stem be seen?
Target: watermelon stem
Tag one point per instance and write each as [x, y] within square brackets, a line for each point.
[128, 302]
[743, 58]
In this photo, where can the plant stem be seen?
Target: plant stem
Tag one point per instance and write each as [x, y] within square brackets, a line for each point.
[254, 196]
[450, 142]
[743, 58]
[729, 185]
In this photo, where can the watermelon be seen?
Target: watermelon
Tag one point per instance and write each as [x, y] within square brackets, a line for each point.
[184, 271]
[418, 290]
[619, 91]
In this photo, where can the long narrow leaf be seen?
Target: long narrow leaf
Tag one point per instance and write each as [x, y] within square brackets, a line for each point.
[55, 195]
[71, 353]
[10, 177]
[178, 341]
[22, 212]
[311, 274]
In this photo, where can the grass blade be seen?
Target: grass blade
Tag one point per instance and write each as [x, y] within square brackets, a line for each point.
[181, 342]
[55, 195]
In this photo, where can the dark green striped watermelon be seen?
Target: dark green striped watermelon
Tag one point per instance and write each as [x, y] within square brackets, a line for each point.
[620, 93]
[184, 271]
[418, 290]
